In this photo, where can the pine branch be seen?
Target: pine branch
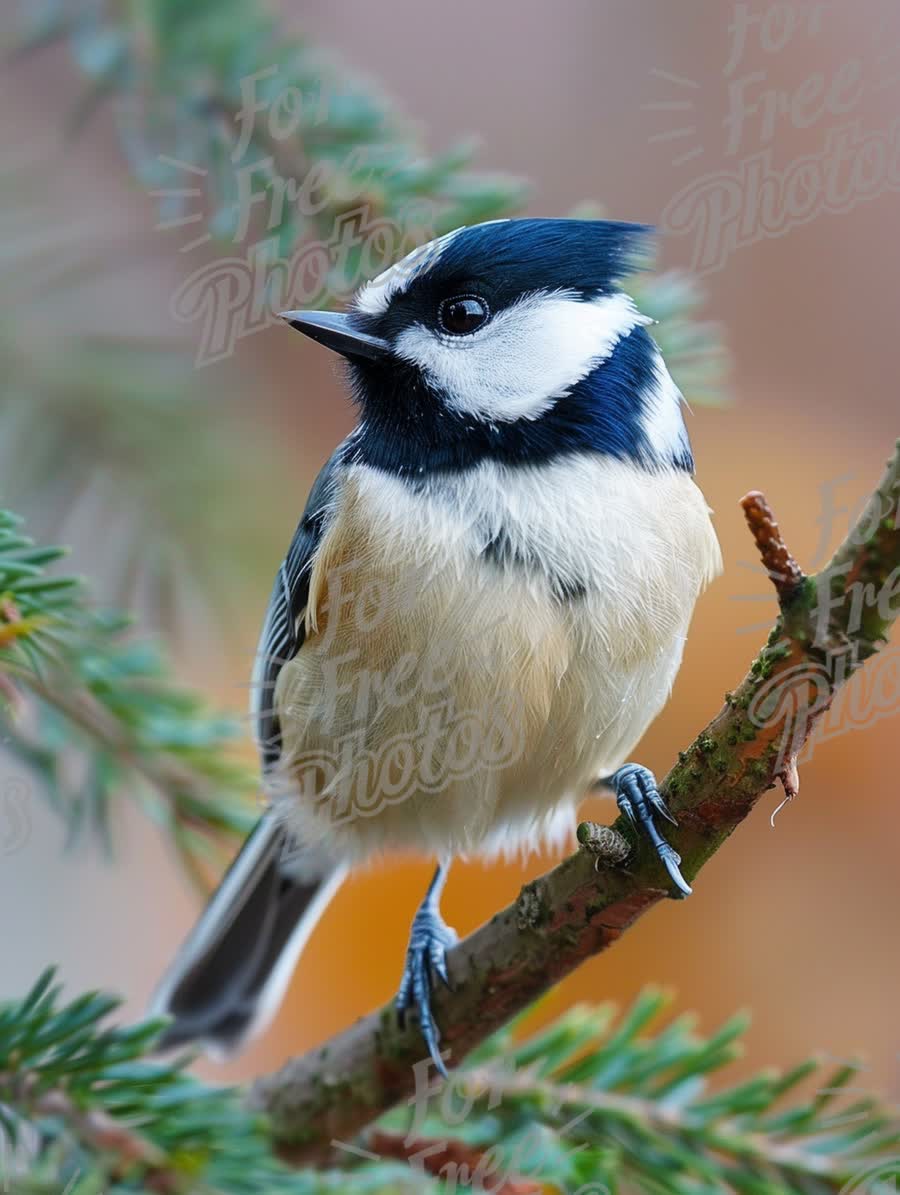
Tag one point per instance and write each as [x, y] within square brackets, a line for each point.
[595, 1098]
[828, 626]
[601, 1084]
[73, 678]
[106, 1114]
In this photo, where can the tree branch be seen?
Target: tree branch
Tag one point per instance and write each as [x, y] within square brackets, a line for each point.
[828, 625]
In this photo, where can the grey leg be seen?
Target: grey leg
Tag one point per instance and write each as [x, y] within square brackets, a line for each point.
[426, 956]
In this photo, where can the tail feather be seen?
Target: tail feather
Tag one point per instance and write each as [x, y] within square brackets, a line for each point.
[230, 975]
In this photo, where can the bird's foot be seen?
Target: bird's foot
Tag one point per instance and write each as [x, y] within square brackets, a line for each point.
[426, 957]
[638, 798]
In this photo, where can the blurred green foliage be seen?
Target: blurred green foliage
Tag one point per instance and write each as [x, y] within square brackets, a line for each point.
[595, 1102]
[105, 716]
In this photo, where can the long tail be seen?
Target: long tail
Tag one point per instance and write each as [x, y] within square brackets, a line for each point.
[230, 975]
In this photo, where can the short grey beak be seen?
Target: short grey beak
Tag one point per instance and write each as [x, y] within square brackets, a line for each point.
[336, 332]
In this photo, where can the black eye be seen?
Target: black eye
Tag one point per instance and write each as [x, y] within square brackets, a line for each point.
[463, 314]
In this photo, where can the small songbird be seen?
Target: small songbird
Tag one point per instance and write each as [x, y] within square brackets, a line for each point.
[483, 607]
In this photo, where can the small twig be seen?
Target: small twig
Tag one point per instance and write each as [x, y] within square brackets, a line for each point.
[784, 571]
[790, 782]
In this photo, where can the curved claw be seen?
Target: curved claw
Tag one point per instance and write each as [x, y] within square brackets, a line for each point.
[438, 960]
[626, 807]
[671, 860]
[426, 956]
[661, 807]
[638, 797]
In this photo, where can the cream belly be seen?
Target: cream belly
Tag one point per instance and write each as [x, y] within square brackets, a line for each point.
[476, 656]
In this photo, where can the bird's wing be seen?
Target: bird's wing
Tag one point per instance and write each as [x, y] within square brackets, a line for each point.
[283, 630]
[230, 975]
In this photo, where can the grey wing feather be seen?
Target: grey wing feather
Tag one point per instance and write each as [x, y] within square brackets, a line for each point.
[282, 634]
[230, 974]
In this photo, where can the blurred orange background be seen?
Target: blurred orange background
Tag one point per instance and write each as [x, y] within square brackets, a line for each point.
[797, 923]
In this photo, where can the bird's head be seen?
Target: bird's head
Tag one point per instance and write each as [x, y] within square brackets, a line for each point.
[491, 342]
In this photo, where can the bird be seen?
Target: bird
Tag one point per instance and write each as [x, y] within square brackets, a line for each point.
[483, 607]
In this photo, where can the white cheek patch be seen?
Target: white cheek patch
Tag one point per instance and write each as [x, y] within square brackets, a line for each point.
[525, 357]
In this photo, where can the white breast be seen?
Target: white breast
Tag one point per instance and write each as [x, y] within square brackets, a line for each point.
[481, 649]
